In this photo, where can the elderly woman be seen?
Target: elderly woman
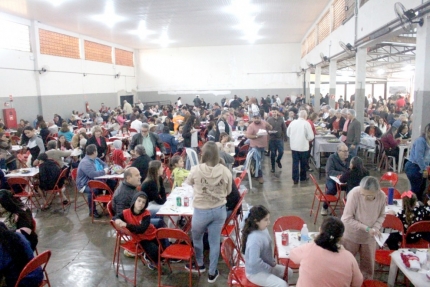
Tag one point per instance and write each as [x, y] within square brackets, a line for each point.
[363, 217]
[99, 141]
[211, 182]
[418, 163]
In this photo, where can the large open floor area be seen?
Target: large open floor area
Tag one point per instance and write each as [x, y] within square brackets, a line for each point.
[82, 252]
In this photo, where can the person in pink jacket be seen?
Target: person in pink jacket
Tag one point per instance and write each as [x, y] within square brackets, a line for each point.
[326, 263]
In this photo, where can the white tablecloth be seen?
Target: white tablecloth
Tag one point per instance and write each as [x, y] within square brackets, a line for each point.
[33, 171]
[170, 207]
[418, 278]
[284, 251]
[322, 145]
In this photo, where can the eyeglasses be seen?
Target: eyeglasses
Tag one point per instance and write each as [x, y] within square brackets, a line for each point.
[344, 150]
[368, 196]
[144, 131]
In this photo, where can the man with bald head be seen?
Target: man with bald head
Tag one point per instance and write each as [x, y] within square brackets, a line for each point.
[124, 193]
[337, 164]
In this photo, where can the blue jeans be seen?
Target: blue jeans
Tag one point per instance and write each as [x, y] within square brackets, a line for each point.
[276, 145]
[300, 157]
[331, 189]
[211, 220]
[261, 150]
[353, 151]
[418, 183]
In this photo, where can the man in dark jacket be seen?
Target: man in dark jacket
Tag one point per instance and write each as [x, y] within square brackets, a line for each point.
[222, 125]
[353, 135]
[149, 140]
[337, 164]
[141, 162]
[197, 102]
[126, 190]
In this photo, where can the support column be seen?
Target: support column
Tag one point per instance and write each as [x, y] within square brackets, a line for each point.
[421, 115]
[306, 86]
[317, 88]
[360, 84]
[332, 92]
[34, 42]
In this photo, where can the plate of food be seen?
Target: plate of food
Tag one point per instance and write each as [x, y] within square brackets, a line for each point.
[333, 140]
[25, 171]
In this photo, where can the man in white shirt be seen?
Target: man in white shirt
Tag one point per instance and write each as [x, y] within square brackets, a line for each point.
[300, 133]
[53, 128]
[278, 100]
[127, 109]
[140, 104]
[136, 124]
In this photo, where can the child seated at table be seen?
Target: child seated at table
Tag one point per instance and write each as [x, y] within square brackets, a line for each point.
[412, 211]
[179, 174]
[137, 219]
[260, 265]
[118, 157]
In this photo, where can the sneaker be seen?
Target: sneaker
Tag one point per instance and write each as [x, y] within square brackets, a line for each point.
[151, 267]
[146, 259]
[279, 164]
[129, 254]
[261, 180]
[310, 170]
[296, 182]
[273, 170]
[324, 211]
[212, 278]
[96, 214]
[194, 269]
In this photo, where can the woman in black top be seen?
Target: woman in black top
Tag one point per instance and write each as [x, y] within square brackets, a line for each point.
[168, 123]
[44, 132]
[99, 141]
[403, 132]
[153, 186]
[354, 174]
[17, 216]
[188, 130]
[141, 162]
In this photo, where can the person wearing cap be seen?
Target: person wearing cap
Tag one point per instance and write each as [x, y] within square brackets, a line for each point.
[149, 140]
[300, 133]
[373, 130]
[276, 140]
[353, 135]
[258, 142]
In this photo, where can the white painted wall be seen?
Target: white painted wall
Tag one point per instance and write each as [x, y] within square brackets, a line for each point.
[220, 67]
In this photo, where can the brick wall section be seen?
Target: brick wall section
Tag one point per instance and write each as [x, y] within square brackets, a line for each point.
[56, 44]
[123, 58]
[97, 52]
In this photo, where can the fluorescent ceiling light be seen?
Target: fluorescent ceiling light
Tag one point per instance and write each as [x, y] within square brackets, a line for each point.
[380, 71]
[109, 17]
[57, 2]
[408, 68]
[142, 31]
[245, 13]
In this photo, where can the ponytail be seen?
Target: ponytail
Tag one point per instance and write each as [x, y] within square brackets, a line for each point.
[332, 230]
[256, 214]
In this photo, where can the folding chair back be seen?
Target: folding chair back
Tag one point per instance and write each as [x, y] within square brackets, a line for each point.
[290, 222]
[100, 199]
[40, 260]
[26, 191]
[421, 226]
[74, 175]
[390, 177]
[237, 181]
[192, 157]
[56, 190]
[110, 209]
[321, 197]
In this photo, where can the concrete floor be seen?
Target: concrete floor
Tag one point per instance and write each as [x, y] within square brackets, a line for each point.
[82, 252]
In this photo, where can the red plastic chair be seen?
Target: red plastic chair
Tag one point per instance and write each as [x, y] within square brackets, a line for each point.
[168, 173]
[237, 181]
[103, 199]
[232, 257]
[74, 174]
[382, 256]
[240, 159]
[422, 226]
[321, 197]
[38, 261]
[131, 130]
[27, 191]
[56, 190]
[110, 210]
[231, 224]
[175, 251]
[390, 177]
[373, 283]
[167, 156]
[284, 223]
[127, 241]
[397, 194]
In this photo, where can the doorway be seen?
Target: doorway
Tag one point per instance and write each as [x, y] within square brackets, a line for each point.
[128, 98]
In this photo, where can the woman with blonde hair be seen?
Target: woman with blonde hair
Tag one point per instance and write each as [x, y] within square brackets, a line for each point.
[99, 141]
[211, 182]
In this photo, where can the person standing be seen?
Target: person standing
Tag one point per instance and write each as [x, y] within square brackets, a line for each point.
[35, 143]
[258, 141]
[128, 109]
[363, 217]
[300, 133]
[222, 125]
[197, 102]
[212, 183]
[149, 140]
[419, 161]
[276, 140]
[353, 134]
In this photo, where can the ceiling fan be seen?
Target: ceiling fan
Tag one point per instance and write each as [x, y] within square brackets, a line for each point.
[310, 64]
[406, 16]
[324, 58]
[348, 47]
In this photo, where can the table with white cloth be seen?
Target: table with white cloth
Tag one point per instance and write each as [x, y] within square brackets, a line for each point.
[16, 148]
[293, 242]
[111, 176]
[367, 142]
[323, 144]
[417, 278]
[172, 210]
[396, 207]
[24, 172]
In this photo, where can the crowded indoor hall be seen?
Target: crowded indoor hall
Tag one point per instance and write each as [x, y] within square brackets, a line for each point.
[215, 143]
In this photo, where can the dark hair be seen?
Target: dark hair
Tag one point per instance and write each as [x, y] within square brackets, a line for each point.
[13, 244]
[256, 214]
[357, 164]
[10, 203]
[332, 230]
[42, 157]
[28, 128]
[402, 126]
[166, 130]
[152, 175]
[174, 160]
[408, 205]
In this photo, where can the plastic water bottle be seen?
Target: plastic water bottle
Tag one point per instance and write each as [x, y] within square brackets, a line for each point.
[304, 234]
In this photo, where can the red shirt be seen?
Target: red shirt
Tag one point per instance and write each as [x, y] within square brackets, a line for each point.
[118, 157]
[132, 219]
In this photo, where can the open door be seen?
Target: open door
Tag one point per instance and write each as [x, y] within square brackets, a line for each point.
[128, 98]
